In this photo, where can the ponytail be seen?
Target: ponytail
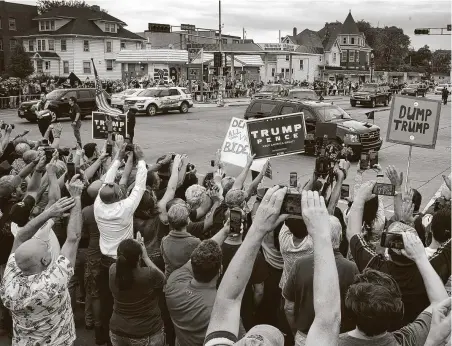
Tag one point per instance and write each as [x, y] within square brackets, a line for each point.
[124, 274]
[129, 252]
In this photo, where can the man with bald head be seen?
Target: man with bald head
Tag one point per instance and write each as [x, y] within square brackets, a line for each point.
[35, 288]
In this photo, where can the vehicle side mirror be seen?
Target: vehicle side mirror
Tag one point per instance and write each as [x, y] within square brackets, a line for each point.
[63, 99]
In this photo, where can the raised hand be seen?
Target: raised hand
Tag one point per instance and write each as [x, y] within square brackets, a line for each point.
[119, 140]
[413, 247]
[76, 188]
[394, 177]
[364, 193]
[315, 214]
[140, 241]
[268, 214]
[41, 163]
[61, 206]
[57, 129]
[138, 152]
[440, 327]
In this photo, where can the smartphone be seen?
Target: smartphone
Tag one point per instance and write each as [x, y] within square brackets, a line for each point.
[293, 179]
[173, 156]
[109, 149]
[212, 163]
[291, 204]
[345, 191]
[70, 170]
[392, 240]
[384, 189]
[373, 158]
[364, 161]
[235, 221]
[49, 154]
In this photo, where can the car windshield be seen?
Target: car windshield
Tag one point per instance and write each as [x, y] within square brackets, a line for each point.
[332, 112]
[303, 94]
[414, 86]
[150, 93]
[270, 88]
[442, 86]
[56, 94]
[368, 88]
[130, 92]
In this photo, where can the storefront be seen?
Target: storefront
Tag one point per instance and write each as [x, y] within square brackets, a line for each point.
[396, 78]
[345, 76]
[162, 65]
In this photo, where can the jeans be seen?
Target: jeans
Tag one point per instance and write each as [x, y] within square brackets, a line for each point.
[76, 127]
[106, 298]
[158, 339]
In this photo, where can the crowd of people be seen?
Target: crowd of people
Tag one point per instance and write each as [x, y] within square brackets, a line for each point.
[153, 255]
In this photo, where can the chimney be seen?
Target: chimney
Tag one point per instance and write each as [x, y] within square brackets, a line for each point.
[95, 8]
[294, 31]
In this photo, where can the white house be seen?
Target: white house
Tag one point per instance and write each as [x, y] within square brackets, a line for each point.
[65, 39]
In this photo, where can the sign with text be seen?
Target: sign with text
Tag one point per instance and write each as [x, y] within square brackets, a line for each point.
[235, 148]
[194, 73]
[414, 121]
[100, 127]
[277, 136]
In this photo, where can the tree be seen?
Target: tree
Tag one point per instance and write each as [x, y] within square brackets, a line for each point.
[20, 64]
[391, 47]
[368, 31]
[47, 5]
[441, 61]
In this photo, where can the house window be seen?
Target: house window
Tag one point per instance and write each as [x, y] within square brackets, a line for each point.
[12, 24]
[344, 40]
[110, 27]
[12, 44]
[123, 45]
[287, 57]
[224, 41]
[320, 58]
[41, 45]
[63, 45]
[352, 40]
[52, 45]
[357, 56]
[66, 67]
[351, 57]
[39, 66]
[109, 45]
[85, 45]
[47, 65]
[139, 45]
[87, 67]
[301, 64]
[334, 57]
[109, 65]
[282, 71]
[273, 71]
[31, 46]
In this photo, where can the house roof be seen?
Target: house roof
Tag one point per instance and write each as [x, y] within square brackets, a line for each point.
[328, 34]
[84, 26]
[309, 49]
[43, 54]
[73, 12]
[154, 55]
[234, 47]
[349, 26]
[309, 38]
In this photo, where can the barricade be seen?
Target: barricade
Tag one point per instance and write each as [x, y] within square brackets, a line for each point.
[13, 102]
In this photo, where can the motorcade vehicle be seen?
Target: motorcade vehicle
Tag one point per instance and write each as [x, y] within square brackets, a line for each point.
[414, 90]
[302, 94]
[440, 87]
[117, 100]
[369, 95]
[271, 90]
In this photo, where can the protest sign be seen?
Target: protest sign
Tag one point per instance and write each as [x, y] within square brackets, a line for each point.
[99, 125]
[277, 136]
[414, 121]
[236, 148]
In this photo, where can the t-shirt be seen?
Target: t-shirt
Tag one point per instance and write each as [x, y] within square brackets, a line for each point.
[91, 230]
[299, 289]
[405, 272]
[136, 312]
[40, 304]
[413, 334]
[177, 248]
[190, 306]
[73, 111]
[153, 231]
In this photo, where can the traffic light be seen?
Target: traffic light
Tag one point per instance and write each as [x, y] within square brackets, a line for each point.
[217, 60]
[449, 27]
[154, 27]
[421, 31]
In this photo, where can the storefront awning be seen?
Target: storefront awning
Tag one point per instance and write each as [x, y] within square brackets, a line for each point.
[347, 72]
[153, 55]
[395, 74]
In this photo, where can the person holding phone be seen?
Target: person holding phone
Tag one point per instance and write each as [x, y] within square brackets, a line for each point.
[44, 116]
[76, 121]
[131, 121]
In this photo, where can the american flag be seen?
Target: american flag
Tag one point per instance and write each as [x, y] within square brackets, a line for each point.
[101, 101]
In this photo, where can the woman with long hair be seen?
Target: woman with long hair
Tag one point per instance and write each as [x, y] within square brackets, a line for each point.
[136, 318]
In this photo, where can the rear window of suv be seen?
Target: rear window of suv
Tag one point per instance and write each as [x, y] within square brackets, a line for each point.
[263, 107]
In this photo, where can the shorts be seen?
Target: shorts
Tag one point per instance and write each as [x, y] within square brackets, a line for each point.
[92, 277]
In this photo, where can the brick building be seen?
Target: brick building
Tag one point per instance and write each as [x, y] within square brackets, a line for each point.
[15, 19]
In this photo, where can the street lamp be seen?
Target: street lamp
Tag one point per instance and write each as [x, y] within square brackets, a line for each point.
[372, 65]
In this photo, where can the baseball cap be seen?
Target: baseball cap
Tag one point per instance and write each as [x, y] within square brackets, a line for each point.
[5, 168]
[262, 335]
[20, 212]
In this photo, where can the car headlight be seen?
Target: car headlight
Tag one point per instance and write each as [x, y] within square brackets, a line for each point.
[352, 138]
[351, 129]
[141, 101]
[367, 97]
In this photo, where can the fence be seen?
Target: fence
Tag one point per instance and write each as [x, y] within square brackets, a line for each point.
[14, 102]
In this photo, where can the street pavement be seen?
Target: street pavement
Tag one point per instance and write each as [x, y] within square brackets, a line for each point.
[201, 132]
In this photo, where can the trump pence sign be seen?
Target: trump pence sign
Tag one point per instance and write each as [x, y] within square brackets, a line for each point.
[414, 121]
[100, 125]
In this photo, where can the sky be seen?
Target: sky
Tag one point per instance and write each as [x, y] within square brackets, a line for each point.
[262, 19]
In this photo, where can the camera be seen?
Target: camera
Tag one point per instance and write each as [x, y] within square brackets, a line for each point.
[109, 149]
[190, 167]
[129, 147]
[327, 153]
[235, 221]
[384, 189]
[49, 153]
[291, 204]
[4, 126]
[345, 191]
[392, 240]
[293, 180]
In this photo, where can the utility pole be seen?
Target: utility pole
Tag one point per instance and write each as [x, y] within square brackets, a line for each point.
[220, 101]
[243, 41]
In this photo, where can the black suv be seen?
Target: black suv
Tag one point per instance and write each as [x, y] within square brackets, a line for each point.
[58, 102]
[357, 135]
[371, 95]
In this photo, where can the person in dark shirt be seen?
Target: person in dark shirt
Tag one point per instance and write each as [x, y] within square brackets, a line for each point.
[131, 121]
[44, 118]
[75, 115]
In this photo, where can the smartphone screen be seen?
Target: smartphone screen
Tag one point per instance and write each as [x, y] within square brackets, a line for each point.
[345, 191]
[384, 189]
[235, 221]
[293, 179]
[49, 154]
[109, 149]
[392, 240]
[364, 161]
[212, 163]
[70, 170]
[291, 204]
[373, 158]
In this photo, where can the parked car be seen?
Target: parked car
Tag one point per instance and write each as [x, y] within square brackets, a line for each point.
[58, 103]
[117, 100]
[440, 87]
[302, 94]
[271, 90]
[414, 90]
[357, 135]
[371, 95]
[154, 100]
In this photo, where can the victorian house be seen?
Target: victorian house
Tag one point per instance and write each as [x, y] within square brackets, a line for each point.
[65, 39]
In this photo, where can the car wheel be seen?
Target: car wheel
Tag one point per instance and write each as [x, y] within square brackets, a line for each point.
[373, 103]
[151, 110]
[184, 107]
[353, 103]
